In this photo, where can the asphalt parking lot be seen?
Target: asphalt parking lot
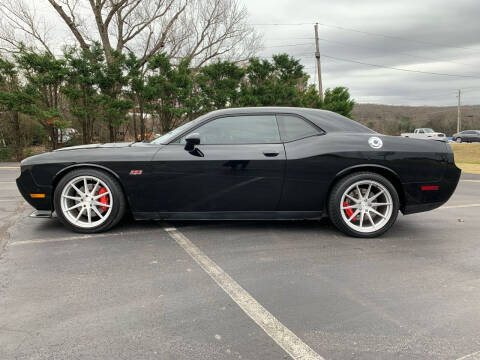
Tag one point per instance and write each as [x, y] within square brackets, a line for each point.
[240, 290]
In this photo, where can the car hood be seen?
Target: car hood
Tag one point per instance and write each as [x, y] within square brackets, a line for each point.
[94, 146]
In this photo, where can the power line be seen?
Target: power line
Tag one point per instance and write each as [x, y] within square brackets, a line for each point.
[398, 69]
[370, 34]
[345, 44]
[396, 37]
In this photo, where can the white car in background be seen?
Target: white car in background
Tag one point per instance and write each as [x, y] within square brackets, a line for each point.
[425, 133]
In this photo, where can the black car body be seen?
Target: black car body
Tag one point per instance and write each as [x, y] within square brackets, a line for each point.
[237, 175]
[467, 136]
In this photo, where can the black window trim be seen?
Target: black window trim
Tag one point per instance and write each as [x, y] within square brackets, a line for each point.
[321, 132]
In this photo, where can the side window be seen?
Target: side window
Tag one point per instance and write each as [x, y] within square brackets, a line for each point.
[254, 129]
[294, 128]
[421, 131]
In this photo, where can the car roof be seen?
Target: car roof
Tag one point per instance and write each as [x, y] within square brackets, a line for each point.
[326, 120]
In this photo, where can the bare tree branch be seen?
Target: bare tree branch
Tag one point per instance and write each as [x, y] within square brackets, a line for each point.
[70, 23]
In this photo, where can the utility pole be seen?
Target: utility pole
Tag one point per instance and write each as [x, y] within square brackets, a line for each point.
[319, 67]
[459, 121]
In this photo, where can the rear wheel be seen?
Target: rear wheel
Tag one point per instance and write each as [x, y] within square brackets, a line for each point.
[363, 205]
[89, 201]
[459, 140]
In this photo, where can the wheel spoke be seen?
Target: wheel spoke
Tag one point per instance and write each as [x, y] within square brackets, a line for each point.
[85, 185]
[80, 214]
[79, 192]
[362, 215]
[378, 213]
[352, 198]
[103, 194]
[380, 204]
[367, 194]
[97, 203]
[75, 206]
[97, 212]
[360, 197]
[354, 206]
[354, 214]
[89, 214]
[376, 195]
[371, 220]
[72, 197]
[95, 187]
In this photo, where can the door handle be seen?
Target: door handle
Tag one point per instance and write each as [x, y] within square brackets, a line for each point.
[271, 153]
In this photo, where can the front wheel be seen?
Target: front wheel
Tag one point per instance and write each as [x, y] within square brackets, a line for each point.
[459, 140]
[89, 201]
[363, 205]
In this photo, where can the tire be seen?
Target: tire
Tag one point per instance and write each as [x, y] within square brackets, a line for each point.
[344, 202]
[101, 208]
[458, 140]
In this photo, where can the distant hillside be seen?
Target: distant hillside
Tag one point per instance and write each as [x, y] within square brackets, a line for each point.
[393, 120]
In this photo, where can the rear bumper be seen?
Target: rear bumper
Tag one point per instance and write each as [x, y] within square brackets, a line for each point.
[26, 185]
[418, 200]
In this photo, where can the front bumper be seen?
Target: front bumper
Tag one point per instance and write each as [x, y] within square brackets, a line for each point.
[26, 185]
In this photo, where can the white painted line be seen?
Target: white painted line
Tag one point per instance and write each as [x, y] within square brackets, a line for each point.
[460, 206]
[470, 180]
[77, 237]
[9, 167]
[10, 200]
[472, 356]
[284, 337]
[8, 182]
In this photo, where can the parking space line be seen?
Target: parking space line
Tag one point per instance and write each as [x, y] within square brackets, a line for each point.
[77, 237]
[284, 337]
[467, 180]
[460, 206]
[9, 167]
[473, 356]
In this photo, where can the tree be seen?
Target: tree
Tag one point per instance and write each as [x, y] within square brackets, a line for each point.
[278, 83]
[339, 101]
[11, 100]
[44, 78]
[218, 85]
[169, 91]
[80, 88]
[111, 78]
[201, 30]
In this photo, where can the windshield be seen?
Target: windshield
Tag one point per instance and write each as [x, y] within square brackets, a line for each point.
[168, 137]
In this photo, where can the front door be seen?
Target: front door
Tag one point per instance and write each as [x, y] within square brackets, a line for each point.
[238, 166]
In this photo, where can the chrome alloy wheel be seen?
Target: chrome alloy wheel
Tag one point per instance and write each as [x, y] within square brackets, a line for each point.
[86, 201]
[366, 206]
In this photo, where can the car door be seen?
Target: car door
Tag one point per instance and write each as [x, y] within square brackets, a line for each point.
[306, 176]
[238, 166]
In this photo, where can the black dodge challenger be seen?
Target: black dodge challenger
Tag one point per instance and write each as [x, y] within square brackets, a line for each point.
[246, 163]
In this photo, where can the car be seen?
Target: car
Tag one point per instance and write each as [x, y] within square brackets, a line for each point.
[425, 133]
[246, 164]
[467, 136]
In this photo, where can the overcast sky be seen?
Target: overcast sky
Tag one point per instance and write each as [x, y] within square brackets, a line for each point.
[440, 36]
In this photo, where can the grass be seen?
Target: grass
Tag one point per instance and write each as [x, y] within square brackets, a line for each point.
[467, 157]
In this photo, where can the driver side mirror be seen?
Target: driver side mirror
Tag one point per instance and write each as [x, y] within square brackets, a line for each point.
[192, 140]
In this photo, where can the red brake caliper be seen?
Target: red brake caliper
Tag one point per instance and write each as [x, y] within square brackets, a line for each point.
[103, 199]
[350, 211]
